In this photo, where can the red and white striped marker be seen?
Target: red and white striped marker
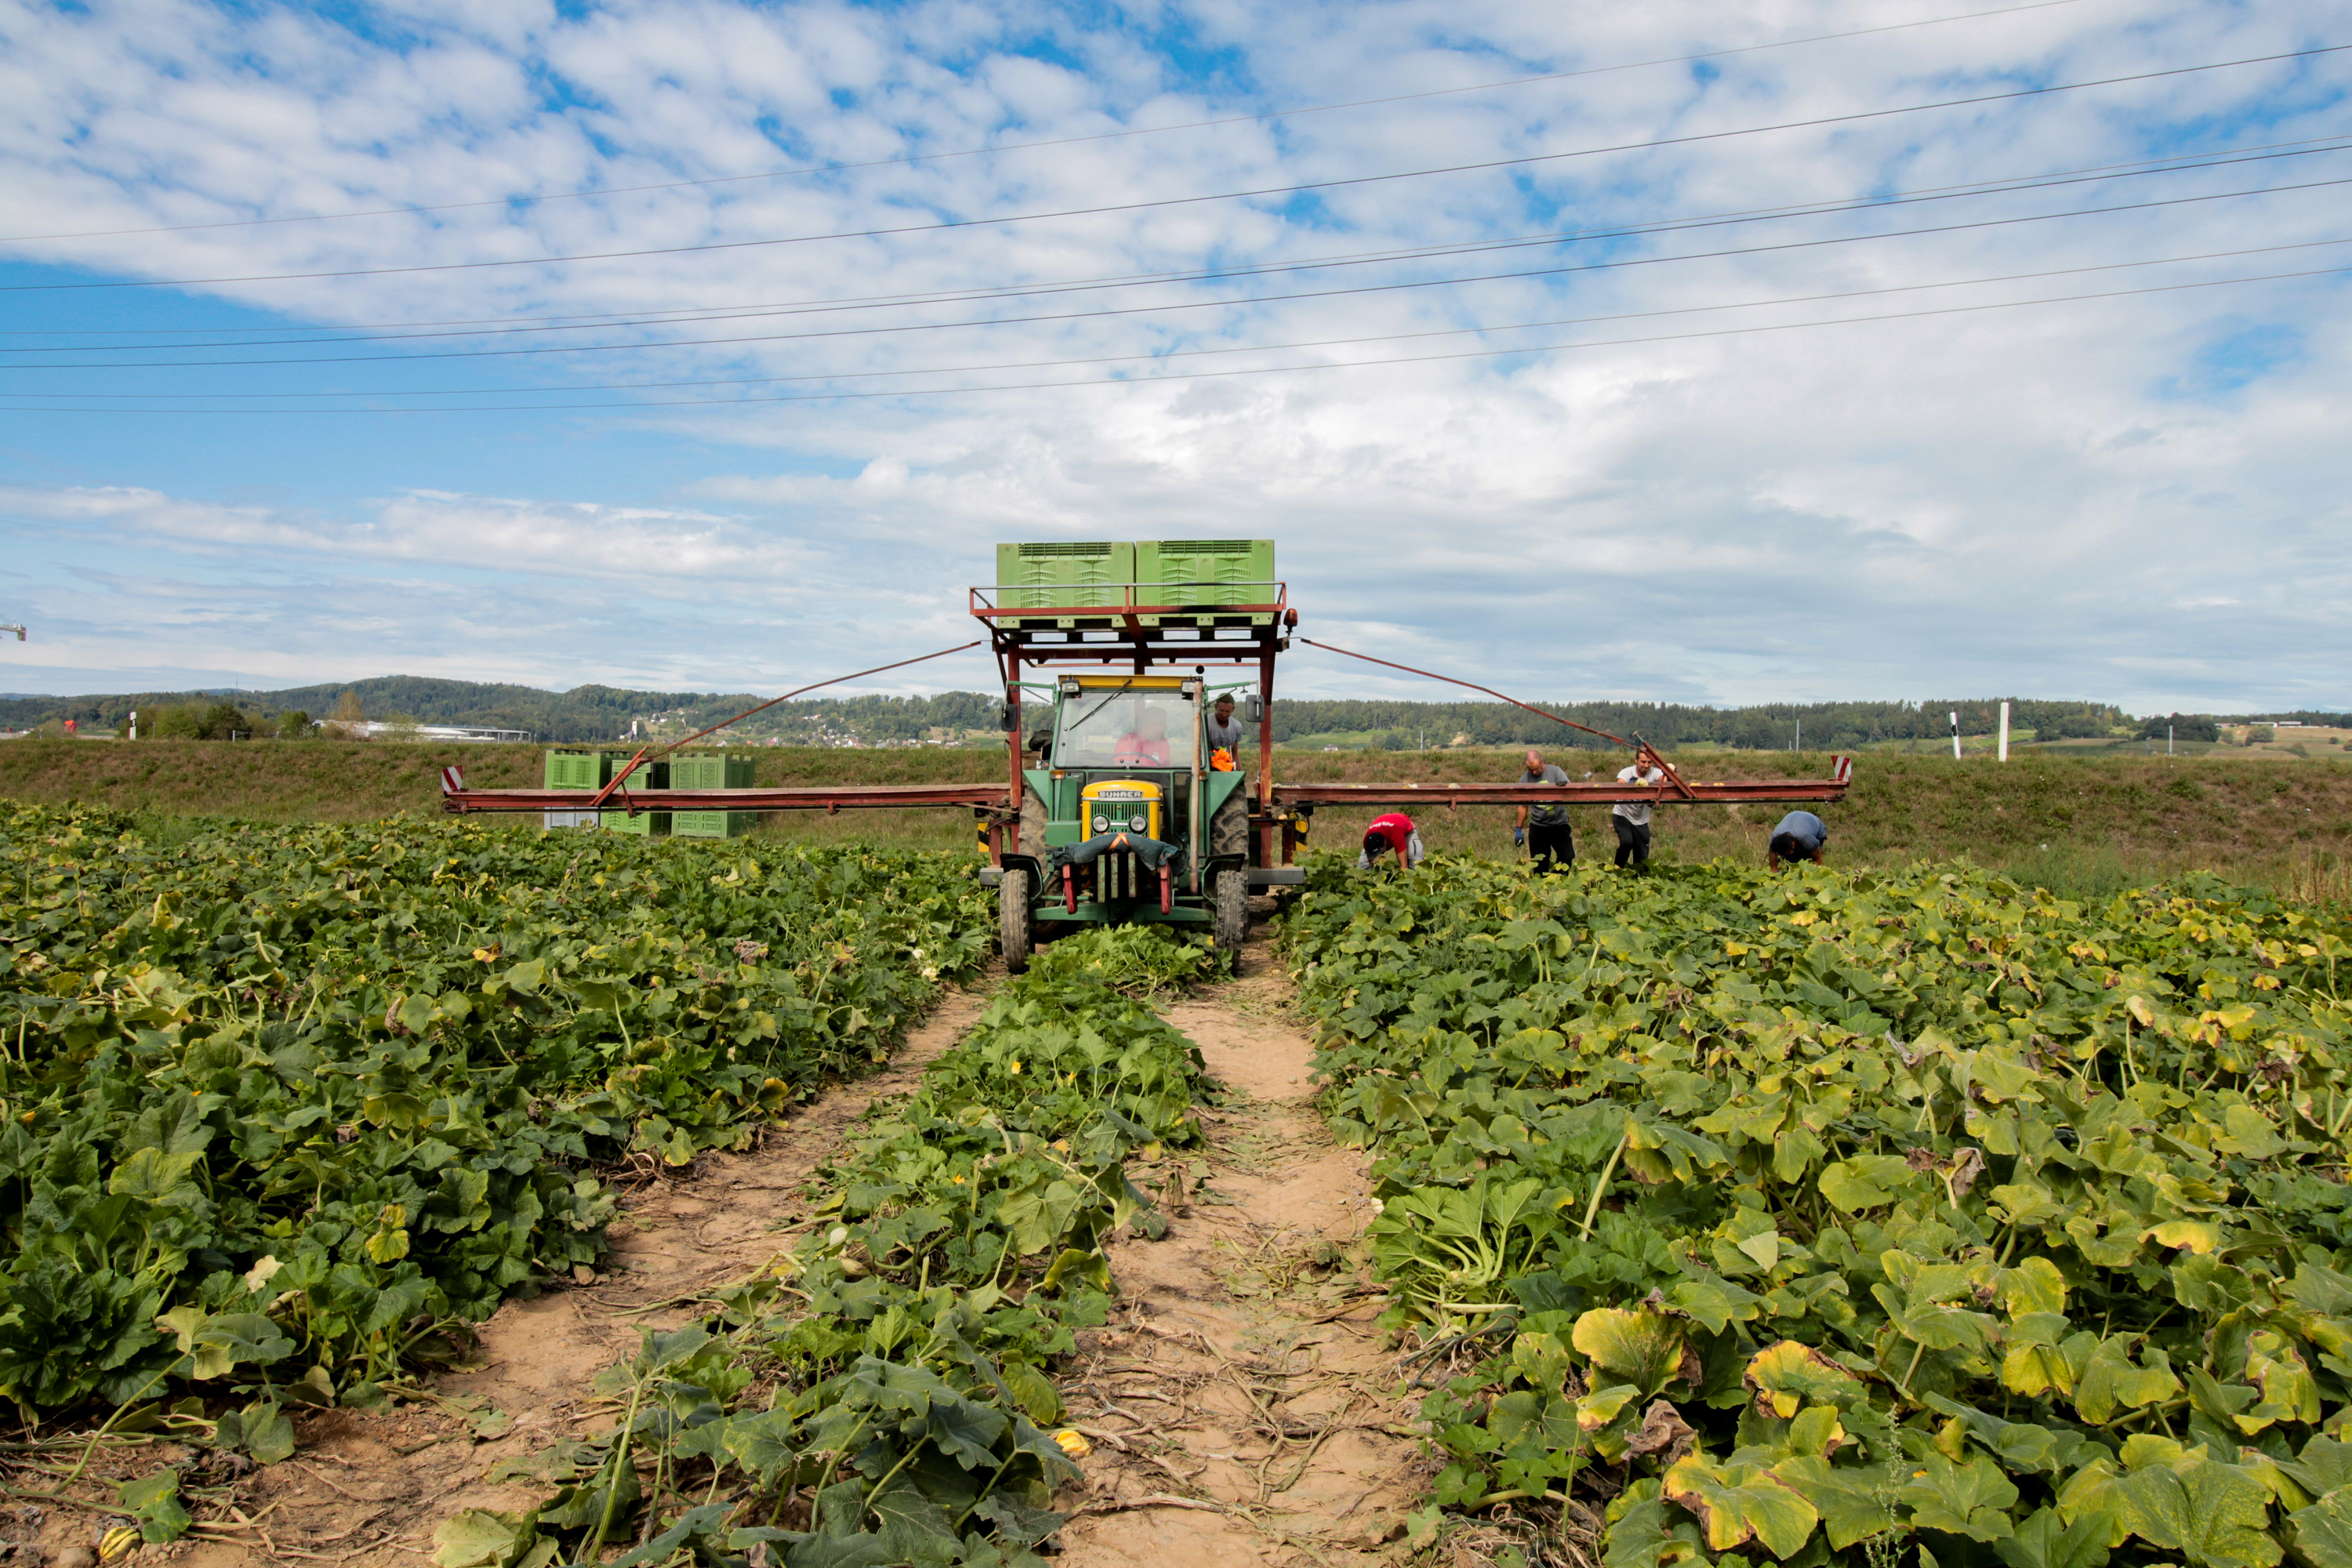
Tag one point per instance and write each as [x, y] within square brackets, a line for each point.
[1844, 771]
[452, 780]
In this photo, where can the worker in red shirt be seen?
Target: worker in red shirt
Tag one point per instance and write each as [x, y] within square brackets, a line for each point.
[1394, 831]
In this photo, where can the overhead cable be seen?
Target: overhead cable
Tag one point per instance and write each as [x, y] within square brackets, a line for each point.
[689, 314]
[1466, 247]
[1157, 356]
[1142, 382]
[1519, 276]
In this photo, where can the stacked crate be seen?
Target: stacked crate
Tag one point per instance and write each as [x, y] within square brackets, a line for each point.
[711, 770]
[1205, 576]
[648, 779]
[1084, 574]
[582, 770]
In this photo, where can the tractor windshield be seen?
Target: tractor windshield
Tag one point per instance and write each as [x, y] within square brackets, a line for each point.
[1140, 729]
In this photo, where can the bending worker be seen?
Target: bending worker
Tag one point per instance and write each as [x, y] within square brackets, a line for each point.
[1801, 836]
[1631, 818]
[1394, 831]
[1544, 830]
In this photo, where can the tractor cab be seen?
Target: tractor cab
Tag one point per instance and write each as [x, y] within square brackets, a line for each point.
[1127, 817]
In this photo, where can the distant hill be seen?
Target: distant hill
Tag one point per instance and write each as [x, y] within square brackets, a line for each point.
[607, 712]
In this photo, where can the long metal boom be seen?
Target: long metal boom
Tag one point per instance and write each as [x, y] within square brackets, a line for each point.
[821, 797]
[1686, 792]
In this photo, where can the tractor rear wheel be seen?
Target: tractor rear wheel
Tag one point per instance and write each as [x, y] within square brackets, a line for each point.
[1014, 927]
[1233, 912]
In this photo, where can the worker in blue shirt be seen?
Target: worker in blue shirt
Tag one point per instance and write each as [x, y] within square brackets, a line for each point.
[1801, 835]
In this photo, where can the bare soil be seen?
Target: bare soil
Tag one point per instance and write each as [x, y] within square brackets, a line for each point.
[1242, 1404]
[367, 1489]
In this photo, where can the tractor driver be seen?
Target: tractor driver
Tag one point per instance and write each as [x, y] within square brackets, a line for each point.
[1146, 745]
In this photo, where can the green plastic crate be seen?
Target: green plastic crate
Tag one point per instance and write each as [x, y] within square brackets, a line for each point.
[1081, 573]
[581, 771]
[649, 778]
[711, 770]
[1204, 574]
[584, 770]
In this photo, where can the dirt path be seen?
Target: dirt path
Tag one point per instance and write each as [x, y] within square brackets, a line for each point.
[368, 1490]
[1240, 1402]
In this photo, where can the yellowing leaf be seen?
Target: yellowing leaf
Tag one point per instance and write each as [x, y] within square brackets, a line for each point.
[2033, 1286]
[2197, 1235]
[1786, 1374]
[1738, 1503]
[1641, 1346]
[1598, 1408]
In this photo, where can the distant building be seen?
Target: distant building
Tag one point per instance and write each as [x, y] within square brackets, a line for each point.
[369, 729]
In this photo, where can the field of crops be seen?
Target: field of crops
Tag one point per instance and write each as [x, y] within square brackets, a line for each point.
[282, 1109]
[878, 1394]
[1871, 1218]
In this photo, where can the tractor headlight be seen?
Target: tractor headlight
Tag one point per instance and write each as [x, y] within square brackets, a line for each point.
[1102, 824]
[1137, 822]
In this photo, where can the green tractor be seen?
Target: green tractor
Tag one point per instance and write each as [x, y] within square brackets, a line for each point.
[1128, 810]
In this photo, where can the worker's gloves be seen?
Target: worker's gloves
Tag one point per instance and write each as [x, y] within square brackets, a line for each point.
[1518, 837]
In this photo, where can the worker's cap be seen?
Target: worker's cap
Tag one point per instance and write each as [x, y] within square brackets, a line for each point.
[1376, 841]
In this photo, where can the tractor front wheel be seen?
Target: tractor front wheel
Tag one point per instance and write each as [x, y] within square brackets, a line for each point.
[1233, 912]
[1015, 926]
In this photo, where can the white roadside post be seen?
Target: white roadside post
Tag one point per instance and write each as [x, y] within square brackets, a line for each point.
[134, 723]
[1955, 734]
[2004, 732]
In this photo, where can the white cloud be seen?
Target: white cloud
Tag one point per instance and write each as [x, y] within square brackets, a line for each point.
[2059, 497]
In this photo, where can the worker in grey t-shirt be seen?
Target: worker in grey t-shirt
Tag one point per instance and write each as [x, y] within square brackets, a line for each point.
[1544, 828]
[1631, 819]
[1225, 732]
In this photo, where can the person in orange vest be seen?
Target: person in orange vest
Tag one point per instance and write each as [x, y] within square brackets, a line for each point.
[1392, 832]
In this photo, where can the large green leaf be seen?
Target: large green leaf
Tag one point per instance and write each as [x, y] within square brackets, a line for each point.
[2322, 1533]
[1972, 1499]
[1850, 1499]
[2212, 1513]
[2113, 1383]
[2044, 1540]
[965, 1431]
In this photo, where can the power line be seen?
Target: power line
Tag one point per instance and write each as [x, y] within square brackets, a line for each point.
[687, 314]
[1268, 348]
[1023, 146]
[1218, 374]
[1519, 276]
[2013, 185]
[1105, 209]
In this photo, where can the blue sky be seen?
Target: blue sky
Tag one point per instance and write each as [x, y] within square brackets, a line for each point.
[1744, 378]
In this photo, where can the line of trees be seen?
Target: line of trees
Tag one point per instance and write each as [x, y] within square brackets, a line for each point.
[603, 713]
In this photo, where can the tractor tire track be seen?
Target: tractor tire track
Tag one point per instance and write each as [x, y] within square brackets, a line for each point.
[1240, 1402]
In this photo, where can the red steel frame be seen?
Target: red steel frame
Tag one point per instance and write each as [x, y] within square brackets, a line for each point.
[1098, 634]
[1115, 633]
